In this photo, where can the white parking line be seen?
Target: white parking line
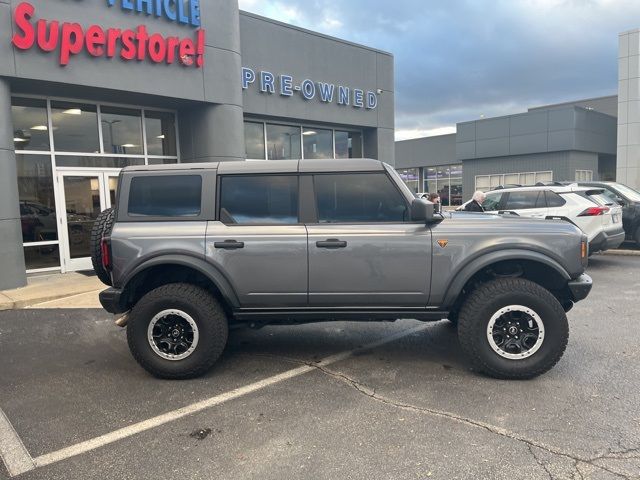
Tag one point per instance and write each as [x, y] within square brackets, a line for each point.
[13, 453]
[122, 433]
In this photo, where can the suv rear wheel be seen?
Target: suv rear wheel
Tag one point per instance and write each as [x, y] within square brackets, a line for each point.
[513, 328]
[177, 331]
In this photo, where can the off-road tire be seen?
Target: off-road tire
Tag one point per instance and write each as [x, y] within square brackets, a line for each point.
[102, 227]
[488, 299]
[207, 313]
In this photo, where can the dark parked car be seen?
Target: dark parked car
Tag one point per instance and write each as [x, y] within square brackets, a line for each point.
[630, 201]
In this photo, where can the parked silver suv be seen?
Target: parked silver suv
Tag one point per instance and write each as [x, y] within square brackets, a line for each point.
[194, 249]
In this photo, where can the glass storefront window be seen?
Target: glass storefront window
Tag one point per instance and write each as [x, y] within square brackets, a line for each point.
[75, 127]
[98, 162]
[445, 180]
[82, 196]
[348, 144]
[37, 202]
[456, 191]
[121, 131]
[283, 142]
[318, 143]
[30, 124]
[254, 140]
[410, 176]
[161, 133]
[42, 256]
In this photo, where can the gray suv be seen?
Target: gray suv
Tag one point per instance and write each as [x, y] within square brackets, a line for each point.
[192, 250]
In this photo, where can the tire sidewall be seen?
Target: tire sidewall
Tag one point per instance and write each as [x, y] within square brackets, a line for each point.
[102, 227]
[206, 352]
[555, 327]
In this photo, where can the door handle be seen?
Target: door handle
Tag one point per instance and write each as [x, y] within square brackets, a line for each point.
[331, 243]
[229, 245]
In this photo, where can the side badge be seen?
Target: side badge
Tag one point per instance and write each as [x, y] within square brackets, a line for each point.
[443, 243]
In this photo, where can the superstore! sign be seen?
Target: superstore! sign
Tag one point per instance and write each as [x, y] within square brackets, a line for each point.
[69, 39]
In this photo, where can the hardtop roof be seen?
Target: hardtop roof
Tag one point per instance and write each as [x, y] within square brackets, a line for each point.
[270, 166]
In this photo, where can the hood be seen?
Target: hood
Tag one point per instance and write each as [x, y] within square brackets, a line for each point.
[511, 223]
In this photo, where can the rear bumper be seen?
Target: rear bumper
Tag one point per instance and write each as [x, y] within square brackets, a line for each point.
[580, 287]
[607, 240]
[111, 300]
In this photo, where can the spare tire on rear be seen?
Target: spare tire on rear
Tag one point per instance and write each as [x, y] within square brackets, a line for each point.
[101, 228]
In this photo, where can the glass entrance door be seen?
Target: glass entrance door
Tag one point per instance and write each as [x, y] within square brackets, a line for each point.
[85, 194]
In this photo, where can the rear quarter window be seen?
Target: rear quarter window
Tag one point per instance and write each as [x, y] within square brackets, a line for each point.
[554, 200]
[165, 196]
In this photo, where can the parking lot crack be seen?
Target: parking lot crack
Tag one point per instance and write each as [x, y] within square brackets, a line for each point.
[530, 443]
[371, 393]
[540, 462]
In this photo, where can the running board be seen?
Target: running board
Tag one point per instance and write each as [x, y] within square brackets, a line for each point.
[320, 315]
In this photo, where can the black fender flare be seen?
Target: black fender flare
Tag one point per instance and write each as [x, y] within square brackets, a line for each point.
[472, 267]
[200, 265]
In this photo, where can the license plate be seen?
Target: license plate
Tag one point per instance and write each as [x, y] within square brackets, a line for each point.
[615, 217]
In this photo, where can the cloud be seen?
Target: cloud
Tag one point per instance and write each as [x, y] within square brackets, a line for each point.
[458, 60]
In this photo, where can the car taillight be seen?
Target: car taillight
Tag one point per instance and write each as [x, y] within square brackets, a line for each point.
[105, 250]
[594, 211]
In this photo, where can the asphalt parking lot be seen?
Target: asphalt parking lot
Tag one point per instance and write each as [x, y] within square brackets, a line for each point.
[325, 401]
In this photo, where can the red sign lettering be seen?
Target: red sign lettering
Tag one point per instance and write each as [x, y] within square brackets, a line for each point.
[72, 39]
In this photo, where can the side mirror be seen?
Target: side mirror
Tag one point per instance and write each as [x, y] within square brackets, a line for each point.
[422, 210]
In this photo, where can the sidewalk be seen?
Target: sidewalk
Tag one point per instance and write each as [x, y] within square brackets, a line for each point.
[45, 288]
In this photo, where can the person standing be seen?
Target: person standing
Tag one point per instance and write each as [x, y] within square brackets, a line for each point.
[475, 205]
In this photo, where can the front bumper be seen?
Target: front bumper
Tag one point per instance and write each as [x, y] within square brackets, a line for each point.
[580, 287]
[607, 240]
[111, 300]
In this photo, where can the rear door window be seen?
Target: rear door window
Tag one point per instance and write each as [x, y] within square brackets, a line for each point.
[259, 199]
[165, 196]
[359, 198]
[525, 200]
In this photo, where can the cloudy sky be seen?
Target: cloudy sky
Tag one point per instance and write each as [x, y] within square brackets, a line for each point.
[459, 59]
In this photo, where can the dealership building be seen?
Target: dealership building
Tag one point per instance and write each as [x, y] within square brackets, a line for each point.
[590, 139]
[87, 88]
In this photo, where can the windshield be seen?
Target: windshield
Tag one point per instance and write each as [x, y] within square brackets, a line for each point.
[628, 192]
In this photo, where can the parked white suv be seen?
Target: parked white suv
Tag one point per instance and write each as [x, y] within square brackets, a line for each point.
[585, 207]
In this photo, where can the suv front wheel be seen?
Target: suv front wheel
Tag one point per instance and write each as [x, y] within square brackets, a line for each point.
[177, 331]
[513, 328]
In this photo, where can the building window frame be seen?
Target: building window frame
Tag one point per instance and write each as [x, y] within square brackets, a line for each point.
[302, 127]
[584, 176]
[52, 153]
[501, 177]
